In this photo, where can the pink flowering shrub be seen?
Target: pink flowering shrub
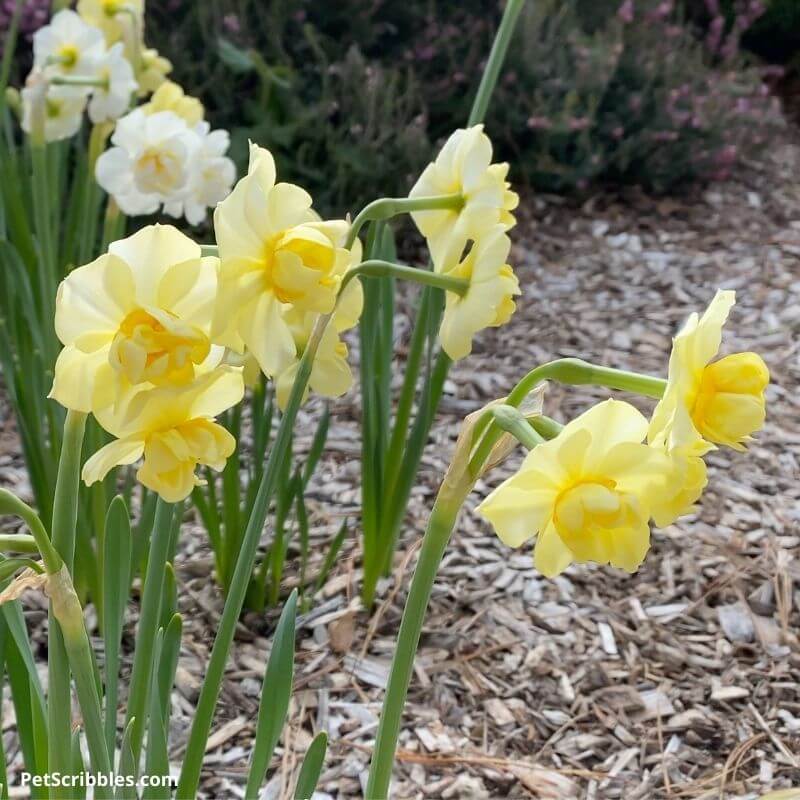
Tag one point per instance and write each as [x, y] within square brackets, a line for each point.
[635, 97]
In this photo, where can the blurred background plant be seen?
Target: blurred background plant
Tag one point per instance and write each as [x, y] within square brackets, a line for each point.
[650, 92]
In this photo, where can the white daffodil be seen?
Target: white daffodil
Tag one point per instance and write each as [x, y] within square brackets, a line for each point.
[54, 112]
[68, 46]
[112, 98]
[150, 162]
[212, 176]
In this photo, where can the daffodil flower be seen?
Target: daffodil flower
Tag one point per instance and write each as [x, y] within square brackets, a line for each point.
[173, 430]
[488, 301]
[684, 448]
[274, 253]
[153, 70]
[586, 495]
[53, 112]
[69, 47]
[170, 96]
[211, 177]
[112, 97]
[724, 398]
[138, 316]
[115, 18]
[330, 373]
[463, 167]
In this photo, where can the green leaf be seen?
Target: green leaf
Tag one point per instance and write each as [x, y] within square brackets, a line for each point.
[167, 665]
[127, 764]
[275, 694]
[317, 445]
[312, 767]
[8, 566]
[157, 759]
[169, 601]
[330, 557]
[234, 57]
[117, 568]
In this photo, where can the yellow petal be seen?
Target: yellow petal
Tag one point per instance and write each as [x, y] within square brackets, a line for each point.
[150, 253]
[94, 299]
[551, 556]
[117, 453]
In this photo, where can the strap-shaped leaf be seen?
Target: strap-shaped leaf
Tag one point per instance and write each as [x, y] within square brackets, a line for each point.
[116, 572]
[312, 767]
[275, 694]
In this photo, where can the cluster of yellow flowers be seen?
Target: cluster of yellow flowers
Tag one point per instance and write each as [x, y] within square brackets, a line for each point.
[155, 334]
[470, 241]
[590, 493]
[159, 340]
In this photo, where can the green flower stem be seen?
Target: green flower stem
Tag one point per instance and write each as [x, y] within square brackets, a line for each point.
[573, 371]
[67, 610]
[375, 268]
[204, 714]
[497, 56]
[437, 535]
[546, 427]
[65, 515]
[18, 543]
[512, 421]
[75, 80]
[38, 542]
[138, 694]
[387, 207]
[207, 250]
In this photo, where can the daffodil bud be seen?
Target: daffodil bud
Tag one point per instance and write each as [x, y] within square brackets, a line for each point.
[730, 403]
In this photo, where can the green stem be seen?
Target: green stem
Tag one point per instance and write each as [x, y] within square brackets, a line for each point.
[39, 541]
[546, 427]
[512, 421]
[204, 714]
[68, 612]
[149, 616]
[497, 56]
[573, 371]
[65, 514]
[387, 207]
[375, 268]
[18, 543]
[74, 80]
[440, 525]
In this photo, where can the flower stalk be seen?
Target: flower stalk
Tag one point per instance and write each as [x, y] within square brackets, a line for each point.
[387, 207]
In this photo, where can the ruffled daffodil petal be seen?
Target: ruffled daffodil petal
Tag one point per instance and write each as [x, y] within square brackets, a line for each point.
[173, 429]
[138, 316]
[276, 256]
[586, 495]
[488, 301]
[724, 398]
[463, 167]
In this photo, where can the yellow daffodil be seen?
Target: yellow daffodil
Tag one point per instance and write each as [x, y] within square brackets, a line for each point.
[173, 428]
[724, 398]
[463, 167]
[171, 97]
[114, 17]
[330, 372]
[139, 315]
[489, 298]
[684, 448]
[274, 253]
[588, 493]
[153, 70]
